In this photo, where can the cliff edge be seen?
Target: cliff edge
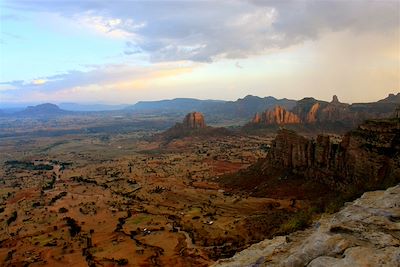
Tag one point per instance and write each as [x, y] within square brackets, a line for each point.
[365, 232]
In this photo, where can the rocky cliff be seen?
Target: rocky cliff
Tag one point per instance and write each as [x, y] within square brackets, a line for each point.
[278, 115]
[194, 120]
[311, 112]
[364, 233]
[367, 158]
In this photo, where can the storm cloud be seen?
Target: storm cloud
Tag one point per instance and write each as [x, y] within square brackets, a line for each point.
[208, 30]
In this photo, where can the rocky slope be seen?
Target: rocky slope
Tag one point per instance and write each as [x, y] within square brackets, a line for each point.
[365, 232]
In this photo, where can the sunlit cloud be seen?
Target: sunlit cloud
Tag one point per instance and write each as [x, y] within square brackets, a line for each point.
[99, 82]
[38, 82]
[110, 27]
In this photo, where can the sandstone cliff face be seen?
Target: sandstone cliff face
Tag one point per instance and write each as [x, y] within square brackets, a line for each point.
[277, 115]
[366, 157]
[312, 114]
[310, 111]
[256, 118]
[194, 120]
[364, 233]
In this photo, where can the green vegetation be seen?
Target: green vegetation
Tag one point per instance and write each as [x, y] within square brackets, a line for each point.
[298, 221]
[50, 184]
[62, 210]
[27, 165]
[74, 228]
[57, 197]
[12, 218]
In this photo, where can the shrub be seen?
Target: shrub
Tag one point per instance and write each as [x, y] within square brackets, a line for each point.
[299, 221]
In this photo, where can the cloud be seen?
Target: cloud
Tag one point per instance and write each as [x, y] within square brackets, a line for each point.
[38, 82]
[7, 87]
[99, 81]
[209, 30]
[110, 26]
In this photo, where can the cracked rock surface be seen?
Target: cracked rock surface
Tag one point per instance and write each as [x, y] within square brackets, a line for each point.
[365, 232]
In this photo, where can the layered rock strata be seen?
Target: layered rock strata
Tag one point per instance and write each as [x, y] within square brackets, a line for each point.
[365, 158]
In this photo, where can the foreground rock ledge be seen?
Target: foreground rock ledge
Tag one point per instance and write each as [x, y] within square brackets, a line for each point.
[365, 232]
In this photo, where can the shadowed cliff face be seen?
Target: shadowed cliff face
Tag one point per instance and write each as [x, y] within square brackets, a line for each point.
[366, 158]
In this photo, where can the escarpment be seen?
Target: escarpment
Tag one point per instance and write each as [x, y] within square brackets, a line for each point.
[312, 113]
[367, 158]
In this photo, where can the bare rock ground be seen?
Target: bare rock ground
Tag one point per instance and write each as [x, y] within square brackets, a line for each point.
[365, 232]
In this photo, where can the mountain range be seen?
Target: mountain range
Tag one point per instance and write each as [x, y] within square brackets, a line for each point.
[269, 110]
[324, 115]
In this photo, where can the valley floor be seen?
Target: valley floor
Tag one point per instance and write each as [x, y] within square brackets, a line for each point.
[124, 199]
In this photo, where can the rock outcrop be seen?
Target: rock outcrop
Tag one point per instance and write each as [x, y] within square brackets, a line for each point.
[278, 115]
[311, 112]
[306, 111]
[366, 157]
[192, 125]
[364, 233]
[194, 120]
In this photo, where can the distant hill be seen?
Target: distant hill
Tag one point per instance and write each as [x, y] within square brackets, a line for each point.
[46, 109]
[90, 107]
[213, 109]
[249, 105]
[173, 105]
[392, 98]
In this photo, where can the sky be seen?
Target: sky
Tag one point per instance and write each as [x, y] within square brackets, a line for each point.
[93, 51]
